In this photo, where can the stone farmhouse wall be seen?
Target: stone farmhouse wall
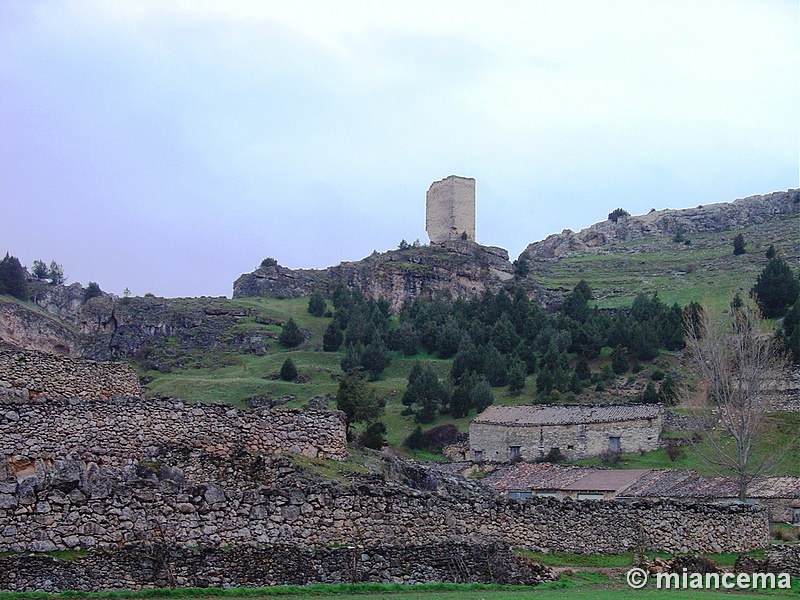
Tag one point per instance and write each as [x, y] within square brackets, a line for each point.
[28, 374]
[244, 566]
[120, 430]
[75, 505]
[450, 209]
[581, 440]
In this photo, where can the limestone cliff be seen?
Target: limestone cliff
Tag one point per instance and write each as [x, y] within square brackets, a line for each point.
[711, 218]
[458, 268]
[23, 326]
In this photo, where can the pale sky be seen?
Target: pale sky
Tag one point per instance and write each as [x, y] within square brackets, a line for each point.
[169, 146]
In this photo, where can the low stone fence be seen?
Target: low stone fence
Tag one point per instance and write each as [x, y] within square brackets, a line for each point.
[28, 374]
[244, 566]
[78, 506]
[777, 559]
[120, 430]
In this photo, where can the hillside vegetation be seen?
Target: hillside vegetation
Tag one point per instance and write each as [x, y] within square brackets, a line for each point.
[611, 329]
[699, 267]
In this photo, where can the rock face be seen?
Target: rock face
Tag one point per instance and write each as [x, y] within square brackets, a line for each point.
[24, 327]
[738, 214]
[168, 330]
[63, 301]
[458, 268]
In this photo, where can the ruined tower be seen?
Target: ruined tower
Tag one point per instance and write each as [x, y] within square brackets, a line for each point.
[450, 209]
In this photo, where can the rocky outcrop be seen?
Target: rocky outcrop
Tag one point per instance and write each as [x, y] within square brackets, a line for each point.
[22, 326]
[63, 301]
[163, 333]
[725, 216]
[458, 268]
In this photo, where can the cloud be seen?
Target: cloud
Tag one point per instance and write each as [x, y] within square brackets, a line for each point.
[213, 134]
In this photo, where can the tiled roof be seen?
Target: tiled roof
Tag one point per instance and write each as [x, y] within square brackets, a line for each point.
[659, 483]
[685, 484]
[533, 476]
[605, 480]
[774, 487]
[566, 415]
[681, 484]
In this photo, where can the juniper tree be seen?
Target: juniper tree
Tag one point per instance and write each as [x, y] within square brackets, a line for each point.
[739, 244]
[776, 288]
[290, 335]
[357, 400]
[12, 278]
[288, 370]
[316, 304]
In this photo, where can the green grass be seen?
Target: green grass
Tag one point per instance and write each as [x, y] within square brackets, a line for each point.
[705, 271]
[239, 377]
[575, 586]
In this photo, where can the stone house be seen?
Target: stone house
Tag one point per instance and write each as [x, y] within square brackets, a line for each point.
[528, 433]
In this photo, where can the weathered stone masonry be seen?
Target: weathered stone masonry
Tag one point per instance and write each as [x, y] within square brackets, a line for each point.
[28, 374]
[135, 568]
[450, 209]
[119, 430]
[260, 501]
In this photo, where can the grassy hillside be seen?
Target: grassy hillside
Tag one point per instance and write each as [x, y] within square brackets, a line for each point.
[234, 378]
[700, 267]
[703, 270]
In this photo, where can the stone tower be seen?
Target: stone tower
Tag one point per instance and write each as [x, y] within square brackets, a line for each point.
[450, 209]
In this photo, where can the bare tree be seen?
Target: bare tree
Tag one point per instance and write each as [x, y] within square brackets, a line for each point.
[735, 359]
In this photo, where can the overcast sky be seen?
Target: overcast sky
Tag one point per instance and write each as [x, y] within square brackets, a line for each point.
[168, 147]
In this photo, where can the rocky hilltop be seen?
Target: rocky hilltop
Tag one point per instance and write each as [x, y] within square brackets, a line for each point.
[458, 268]
[712, 218]
[158, 333]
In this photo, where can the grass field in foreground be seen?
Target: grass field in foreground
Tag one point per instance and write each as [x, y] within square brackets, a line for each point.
[576, 586]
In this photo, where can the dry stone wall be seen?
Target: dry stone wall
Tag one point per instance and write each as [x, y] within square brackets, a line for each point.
[267, 501]
[244, 566]
[28, 374]
[580, 440]
[120, 430]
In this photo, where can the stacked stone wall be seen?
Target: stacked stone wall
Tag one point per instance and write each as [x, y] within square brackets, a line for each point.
[137, 568]
[121, 430]
[30, 374]
[262, 500]
[575, 441]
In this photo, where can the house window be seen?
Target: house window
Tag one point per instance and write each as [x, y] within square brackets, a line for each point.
[588, 496]
[546, 494]
[515, 452]
[613, 444]
[519, 495]
[796, 515]
[478, 455]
